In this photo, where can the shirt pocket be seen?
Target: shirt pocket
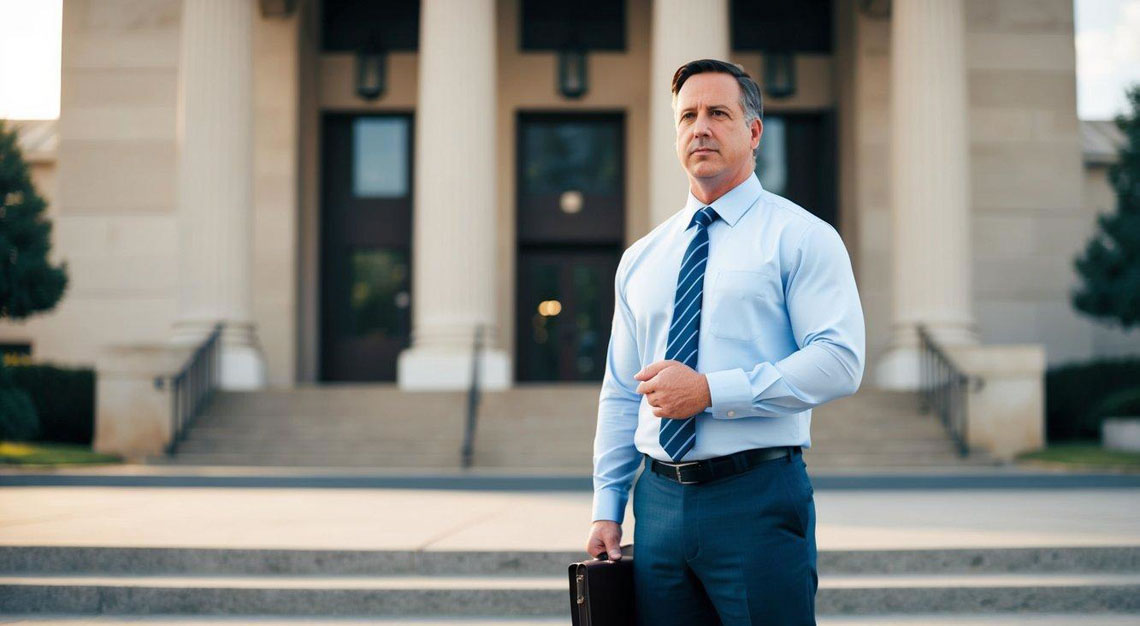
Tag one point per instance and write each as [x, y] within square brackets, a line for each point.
[739, 301]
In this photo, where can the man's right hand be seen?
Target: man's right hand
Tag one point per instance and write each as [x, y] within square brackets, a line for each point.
[605, 536]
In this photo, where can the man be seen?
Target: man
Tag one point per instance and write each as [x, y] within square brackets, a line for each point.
[732, 319]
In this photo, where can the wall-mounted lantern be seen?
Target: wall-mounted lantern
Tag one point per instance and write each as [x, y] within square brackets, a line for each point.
[779, 74]
[371, 73]
[572, 75]
[876, 9]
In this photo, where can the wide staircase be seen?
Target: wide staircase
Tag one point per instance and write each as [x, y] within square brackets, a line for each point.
[529, 429]
[992, 586]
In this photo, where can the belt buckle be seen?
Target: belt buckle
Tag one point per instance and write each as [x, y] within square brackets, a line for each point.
[677, 472]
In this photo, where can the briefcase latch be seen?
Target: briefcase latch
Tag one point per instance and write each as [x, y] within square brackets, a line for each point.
[581, 579]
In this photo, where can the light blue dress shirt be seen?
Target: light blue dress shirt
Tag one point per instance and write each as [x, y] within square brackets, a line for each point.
[781, 332]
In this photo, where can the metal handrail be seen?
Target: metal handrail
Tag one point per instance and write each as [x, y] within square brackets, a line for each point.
[945, 388]
[472, 400]
[192, 386]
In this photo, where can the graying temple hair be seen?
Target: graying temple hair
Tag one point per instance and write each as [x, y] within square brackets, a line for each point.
[751, 102]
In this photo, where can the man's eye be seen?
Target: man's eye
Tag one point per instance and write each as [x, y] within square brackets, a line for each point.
[718, 112]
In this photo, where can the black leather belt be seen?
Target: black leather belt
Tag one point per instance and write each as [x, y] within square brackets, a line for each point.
[695, 472]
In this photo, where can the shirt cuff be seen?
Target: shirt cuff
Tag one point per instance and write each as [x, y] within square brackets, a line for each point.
[609, 504]
[730, 392]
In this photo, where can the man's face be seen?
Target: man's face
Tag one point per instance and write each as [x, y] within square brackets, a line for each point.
[712, 139]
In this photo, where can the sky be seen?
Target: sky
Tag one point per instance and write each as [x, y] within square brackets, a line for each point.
[1108, 55]
[1107, 44]
[29, 58]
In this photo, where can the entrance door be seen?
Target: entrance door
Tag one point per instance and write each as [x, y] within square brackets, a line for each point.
[571, 223]
[566, 303]
[366, 256]
[797, 160]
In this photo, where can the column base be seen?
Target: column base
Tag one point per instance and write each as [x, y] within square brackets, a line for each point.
[898, 369]
[242, 368]
[241, 362]
[441, 369]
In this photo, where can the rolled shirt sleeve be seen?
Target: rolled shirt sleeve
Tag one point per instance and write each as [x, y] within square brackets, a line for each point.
[827, 322]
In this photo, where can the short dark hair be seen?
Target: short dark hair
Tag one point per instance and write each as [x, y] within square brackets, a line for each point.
[751, 101]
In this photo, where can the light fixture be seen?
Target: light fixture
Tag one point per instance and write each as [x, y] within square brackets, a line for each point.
[570, 201]
[572, 75]
[876, 9]
[779, 74]
[371, 73]
[549, 308]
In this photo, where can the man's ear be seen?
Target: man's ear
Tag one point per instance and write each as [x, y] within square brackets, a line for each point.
[757, 132]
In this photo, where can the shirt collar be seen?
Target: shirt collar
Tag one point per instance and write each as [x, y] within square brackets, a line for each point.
[732, 205]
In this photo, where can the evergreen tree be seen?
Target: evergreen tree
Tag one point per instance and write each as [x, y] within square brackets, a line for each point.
[1110, 265]
[28, 282]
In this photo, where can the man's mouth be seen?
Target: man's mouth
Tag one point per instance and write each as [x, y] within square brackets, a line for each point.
[700, 150]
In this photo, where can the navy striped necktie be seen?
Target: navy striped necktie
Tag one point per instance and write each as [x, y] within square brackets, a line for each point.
[678, 436]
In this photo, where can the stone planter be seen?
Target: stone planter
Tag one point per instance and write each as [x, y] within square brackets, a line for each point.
[1121, 433]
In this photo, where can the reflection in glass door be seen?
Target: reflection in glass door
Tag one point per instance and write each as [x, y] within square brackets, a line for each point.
[571, 216]
[796, 160]
[566, 304]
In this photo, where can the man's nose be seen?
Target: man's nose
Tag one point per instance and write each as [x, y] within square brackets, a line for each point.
[702, 126]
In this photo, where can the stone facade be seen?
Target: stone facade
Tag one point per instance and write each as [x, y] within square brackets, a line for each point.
[115, 202]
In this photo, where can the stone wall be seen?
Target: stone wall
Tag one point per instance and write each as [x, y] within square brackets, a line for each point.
[1026, 173]
[115, 204]
[276, 167]
[1028, 216]
[114, 187]
[866, 52]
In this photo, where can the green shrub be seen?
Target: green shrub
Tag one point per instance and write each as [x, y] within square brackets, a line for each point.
[1123, 403]
[1079, 396]
[63, 397]
[17, 416]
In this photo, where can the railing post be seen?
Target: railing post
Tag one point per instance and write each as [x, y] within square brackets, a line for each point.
[468, 450]
[192, 386]
[945, 389]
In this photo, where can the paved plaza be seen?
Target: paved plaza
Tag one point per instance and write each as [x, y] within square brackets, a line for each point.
[444, 519]
[137, 545]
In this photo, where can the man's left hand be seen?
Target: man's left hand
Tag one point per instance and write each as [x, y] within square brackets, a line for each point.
[674, 390]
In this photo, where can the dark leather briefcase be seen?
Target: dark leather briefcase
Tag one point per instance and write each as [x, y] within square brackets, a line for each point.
[601, 591]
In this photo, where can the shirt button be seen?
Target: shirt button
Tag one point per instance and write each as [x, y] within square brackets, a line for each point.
[732, 413]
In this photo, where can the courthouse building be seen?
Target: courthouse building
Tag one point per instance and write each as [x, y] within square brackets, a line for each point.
[354, 187]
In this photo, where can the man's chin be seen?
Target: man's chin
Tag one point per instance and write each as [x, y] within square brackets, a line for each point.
[705, 170]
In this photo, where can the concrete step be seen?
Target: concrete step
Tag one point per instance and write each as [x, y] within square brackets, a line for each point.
[1030, 619]
[549, 426]
[286, 459]
[64, 560]
[817, 458]
[548, 461]
[536, 596]
[827, 446]
[237, 439]
[200, 444]
[870, 461]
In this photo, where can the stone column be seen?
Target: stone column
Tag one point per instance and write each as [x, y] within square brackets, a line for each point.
[930, 185]
[683, 31]
[215, 202]
[454, 224]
